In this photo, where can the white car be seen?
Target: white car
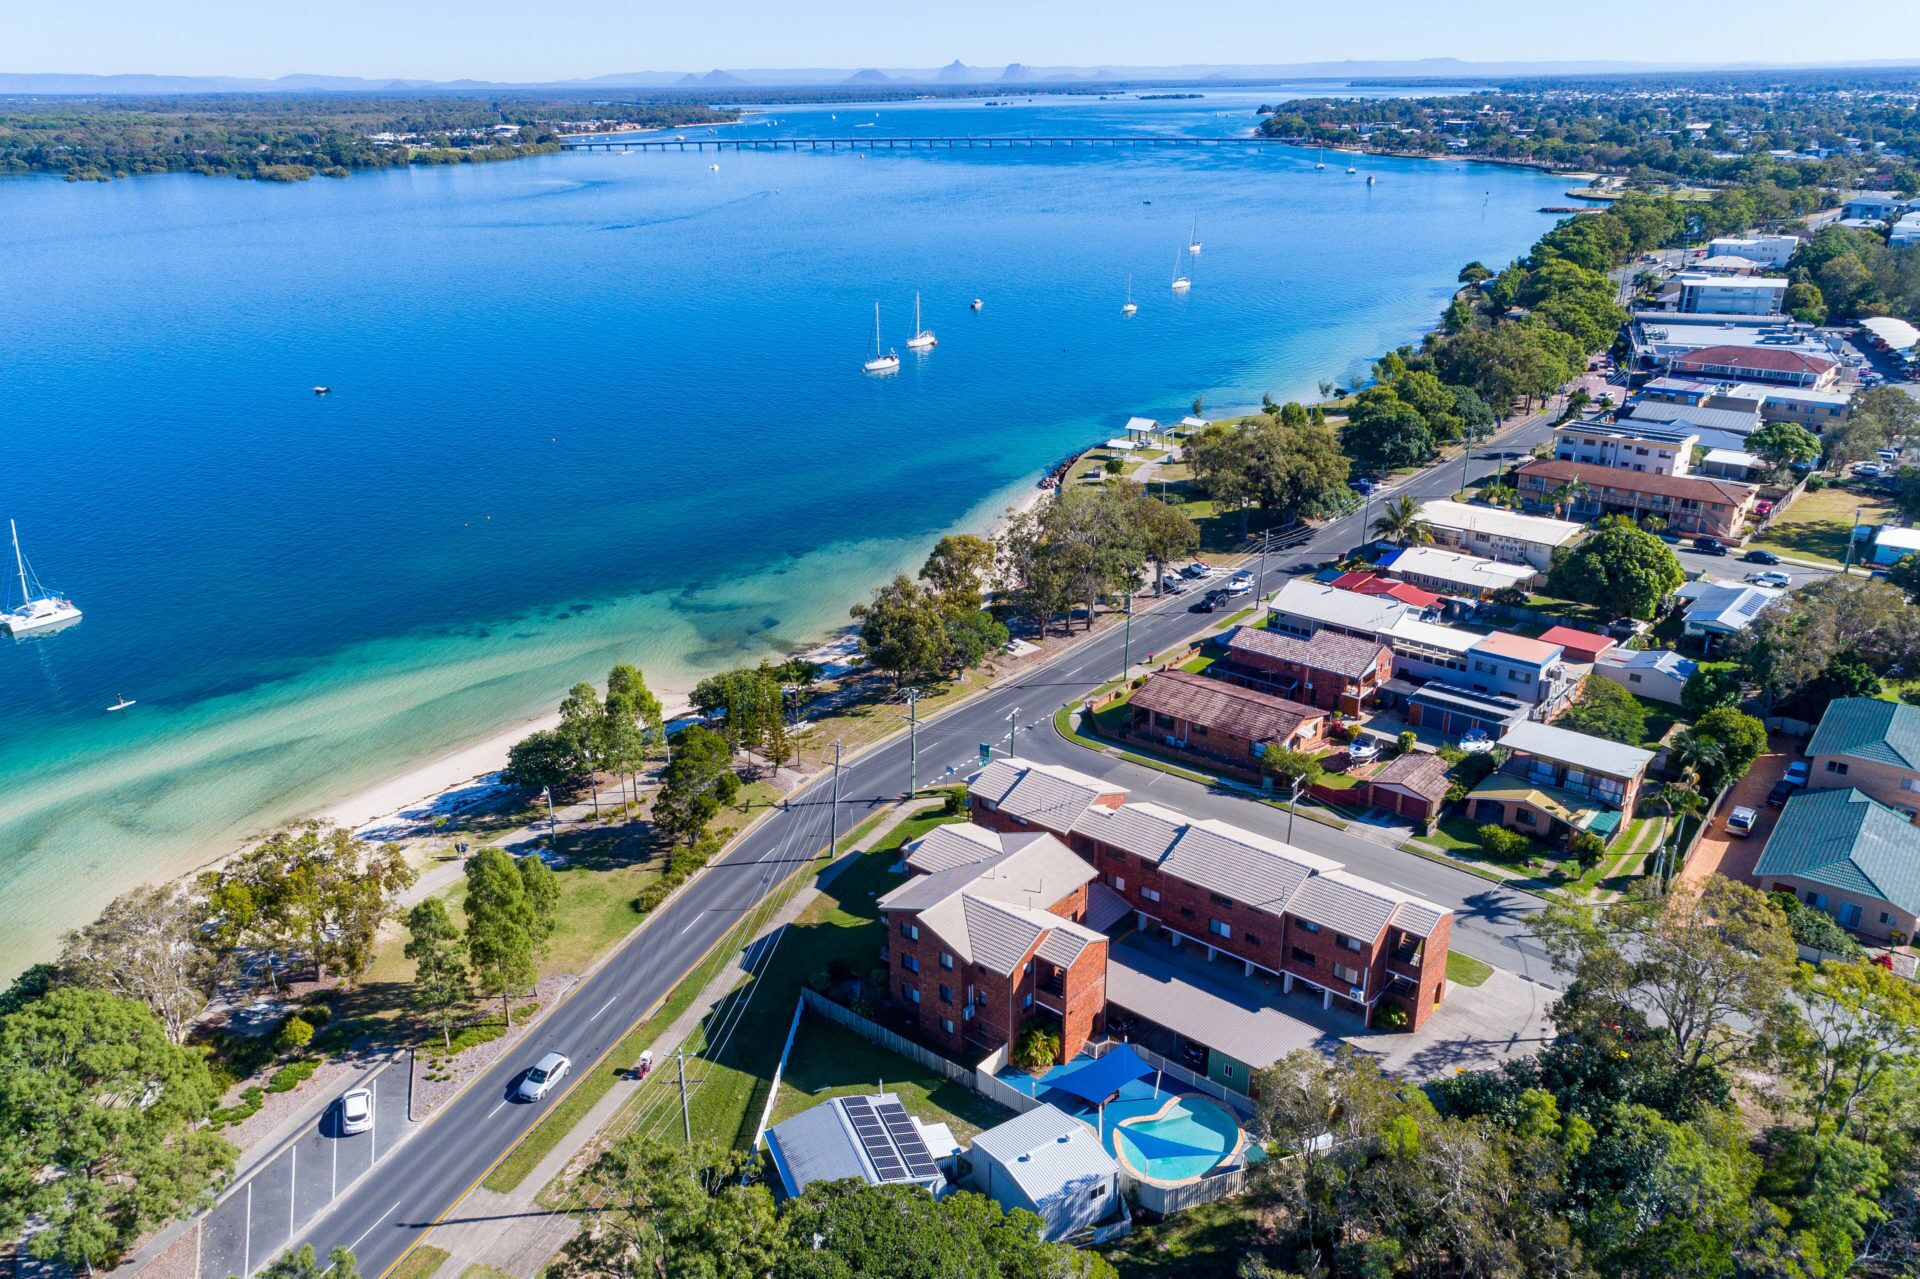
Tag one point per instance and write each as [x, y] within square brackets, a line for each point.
[1775, 579]
[356, 1111]
[1362, 749]
[1869, 469]
[1741, 821]
[546, 1072]
[1172, 584]
[1240, 584]
[1199, 570]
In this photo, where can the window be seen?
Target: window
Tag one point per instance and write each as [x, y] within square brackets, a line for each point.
[1836, 767]
[1347, 974]
[1849, 914]
[910, 963]
[946, 994]
[946, 961]
[1301, 955]
[1151, 894]
[1524, 816]
[1027, 970]
[1633, 677]
[1218, 900]
[909, 930]
[1162, 720]
[1910, 783]
[1119, 882]
[1098, 1192]
[1197, 730]
[1186, 912]
[1885, 918]
[1252, 939]
[1026, 1000]
[1352, 943]
[946, 1024]
[1309, 925]
[913, 995]
[1219, 929]
[1226, 1068]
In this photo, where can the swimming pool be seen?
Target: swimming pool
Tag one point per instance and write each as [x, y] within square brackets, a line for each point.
[1185, 1139]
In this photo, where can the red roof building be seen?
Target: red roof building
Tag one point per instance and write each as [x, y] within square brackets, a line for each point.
[1758, 364]
[1580, 646]
[1374, 584]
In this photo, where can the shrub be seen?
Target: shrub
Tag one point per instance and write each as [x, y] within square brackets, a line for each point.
[246, 1108]
[296, 1032]
[1498, 841]
[316, 1015]
[292, 1075]
[1036, 1047]
[1586, 848]
[1815, 929]
[1390, 1017]
[1406, 741]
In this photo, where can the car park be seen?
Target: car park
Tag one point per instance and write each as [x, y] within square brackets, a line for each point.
[1776, 579]
[1760, 557]
[1741, 821]
[356, 1111]
[539, 1081]
[1709, 546]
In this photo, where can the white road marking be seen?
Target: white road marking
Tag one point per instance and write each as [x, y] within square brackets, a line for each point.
[246, 1246]
[603, 1008]
[690, 924]
[355, 1245]
[495, 1110]
[293, 1184]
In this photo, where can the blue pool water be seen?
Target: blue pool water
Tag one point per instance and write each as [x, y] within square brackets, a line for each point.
[586, 409]
[1186, 1140]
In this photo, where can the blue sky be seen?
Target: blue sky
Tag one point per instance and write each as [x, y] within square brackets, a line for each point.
[513, 40]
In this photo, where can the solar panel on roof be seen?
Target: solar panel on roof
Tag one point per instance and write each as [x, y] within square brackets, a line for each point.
[906, 1136]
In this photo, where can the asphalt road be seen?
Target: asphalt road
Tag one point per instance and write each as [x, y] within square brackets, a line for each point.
[423, 1179]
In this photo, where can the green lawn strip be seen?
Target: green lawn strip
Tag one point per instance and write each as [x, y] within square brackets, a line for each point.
[1204, 1242]
[481, 1270]
[1235, 619]
[831, 1061]
[1196, 664]
[420, 1263]
[1065, 721]
[1818, 524]
[1466, 970]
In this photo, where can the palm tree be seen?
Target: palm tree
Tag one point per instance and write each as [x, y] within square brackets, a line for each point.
[1565, 497]
[1500, 495]
[1675, 801]
[1400, 522]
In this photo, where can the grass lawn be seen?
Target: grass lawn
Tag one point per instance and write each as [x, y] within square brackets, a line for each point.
[1206, 1242]
[421, 1262]
[831, 1061]
[1455, 834]
[1661, 717]
[481, 1270]
[1816, 525]
[1582, 616]
[1466, 970]
[1338, 781]
[1196, 664]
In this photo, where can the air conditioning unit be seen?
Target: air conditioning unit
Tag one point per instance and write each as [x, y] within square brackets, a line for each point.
[1357, 992]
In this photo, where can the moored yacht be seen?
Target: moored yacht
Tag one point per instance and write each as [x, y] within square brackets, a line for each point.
[922, 339]
[880, 363]
[39, 608]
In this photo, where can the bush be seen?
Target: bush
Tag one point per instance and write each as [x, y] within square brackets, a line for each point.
[246, 1108]
[316, 1015]
[1498, 841]
[296, 1032]
[1390, 1017]
[1406, 741]
[292, 1075]
[1467, 774]
[1036, 1047]
[1586, 848]
[1815, 929]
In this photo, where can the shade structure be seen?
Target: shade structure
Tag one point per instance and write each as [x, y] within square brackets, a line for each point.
[1100, 1079]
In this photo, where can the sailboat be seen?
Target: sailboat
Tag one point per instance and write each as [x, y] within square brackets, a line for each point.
[888, 363]
[1181, 283]
[39, 608]
[1351, 169]
[922, 339]
[1193, 239]
[1322, 162]
[1371, 179]
[1130, 307]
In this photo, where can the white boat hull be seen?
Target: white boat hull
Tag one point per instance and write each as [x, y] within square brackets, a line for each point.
[1128, 309]
[1182, 285]
[885, 364]
[922, 342]
[38, 615]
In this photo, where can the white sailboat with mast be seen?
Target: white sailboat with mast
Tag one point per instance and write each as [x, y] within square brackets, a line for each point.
[1193, 237]
[1181, 281]
[1131, 307]
[922, 339]
[887, 363]
[39, 607]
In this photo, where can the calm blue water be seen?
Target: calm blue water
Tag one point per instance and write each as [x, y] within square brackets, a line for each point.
[590, 408]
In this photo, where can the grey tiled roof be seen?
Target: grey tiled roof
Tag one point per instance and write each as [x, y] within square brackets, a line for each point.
[1849, 841]
[1344, 903]
[1421, 773]
[955, 844]
[1045, 794]
[1869, 728]
[1105, 908]
[1327, 651]
[1144, 829]
[1251, 869]
[993, 910]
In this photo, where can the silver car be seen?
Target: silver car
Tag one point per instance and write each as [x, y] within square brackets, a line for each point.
[546, 1072]
[356, 1111]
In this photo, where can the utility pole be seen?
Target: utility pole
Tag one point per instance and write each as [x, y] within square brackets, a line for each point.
[913, 742]
[1846, 569]
[833, 811]
[1466, 458]
[1126, 642]
[546, 793]
[1293, 804]
[686, 1121]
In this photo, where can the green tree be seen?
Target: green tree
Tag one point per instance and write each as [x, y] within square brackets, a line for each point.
[441, 989]
[623, 742]
[1621, 567]
[1855, 1048]
[583, 726]
[903, 631]
[974, 637]
[542, 888]
[1290, 769]
[697, 782]
[1605, 709]
[1783, 443]
[957, 569]
[1805, 303]
[1384, 432]
[668, 1210]
[544, 759]
[848, 1230]
[101, 1126]
[303, 1264]
[1711, 685]
[626, 681]
[1722, 745]
[1792, 641]
[1474, 272]
[500, 928]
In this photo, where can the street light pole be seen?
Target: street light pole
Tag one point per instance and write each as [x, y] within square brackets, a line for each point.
[546, 793]
[833, 812]
[1013, 727]
[913, 742]
[1846, 569]
[1293, 804]
[1126, 641]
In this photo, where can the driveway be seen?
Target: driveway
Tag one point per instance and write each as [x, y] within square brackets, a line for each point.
[1721, 853]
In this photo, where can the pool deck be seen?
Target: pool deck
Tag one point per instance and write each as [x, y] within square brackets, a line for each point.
[1136, 1100]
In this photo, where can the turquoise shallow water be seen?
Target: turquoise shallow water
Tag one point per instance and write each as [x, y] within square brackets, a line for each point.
[1187, 1141]
[588, 409]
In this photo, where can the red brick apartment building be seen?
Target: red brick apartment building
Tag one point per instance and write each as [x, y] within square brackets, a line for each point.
[1233, 892]
[990, 927]
[1332, 671]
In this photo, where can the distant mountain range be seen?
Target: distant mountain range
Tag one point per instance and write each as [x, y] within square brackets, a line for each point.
[954, 73]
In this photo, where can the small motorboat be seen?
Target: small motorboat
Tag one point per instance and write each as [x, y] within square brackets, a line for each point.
[323, 390]
[977, 304]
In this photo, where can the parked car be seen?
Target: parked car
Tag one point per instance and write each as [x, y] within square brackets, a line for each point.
[1709, 546]
[1741, 821]
[356, 1111]
[1362, 485]
[1363, 750]
[1211, 602]
[1871, 470]
[1172, 584]
[1626, 628]
[1761, 557]
[1763, 508]
[1774, 579]
[1889, 455]
[539, 1081]
[1198, 570]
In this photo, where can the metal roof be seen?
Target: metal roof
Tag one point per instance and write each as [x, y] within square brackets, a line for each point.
[1458, 569]
[1345, 903]
[1869, 728]
[1739, 421]
[1240, 1022]
[821, 1144]
[1329, 606]
[1046, 1152]
[1249, 868]
[1449, 639]
[1849, 841]
[1228, 708]
[1498, 523]
[1105, 908]
[1725, 606]
[1470, 701]
[1582, 750]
